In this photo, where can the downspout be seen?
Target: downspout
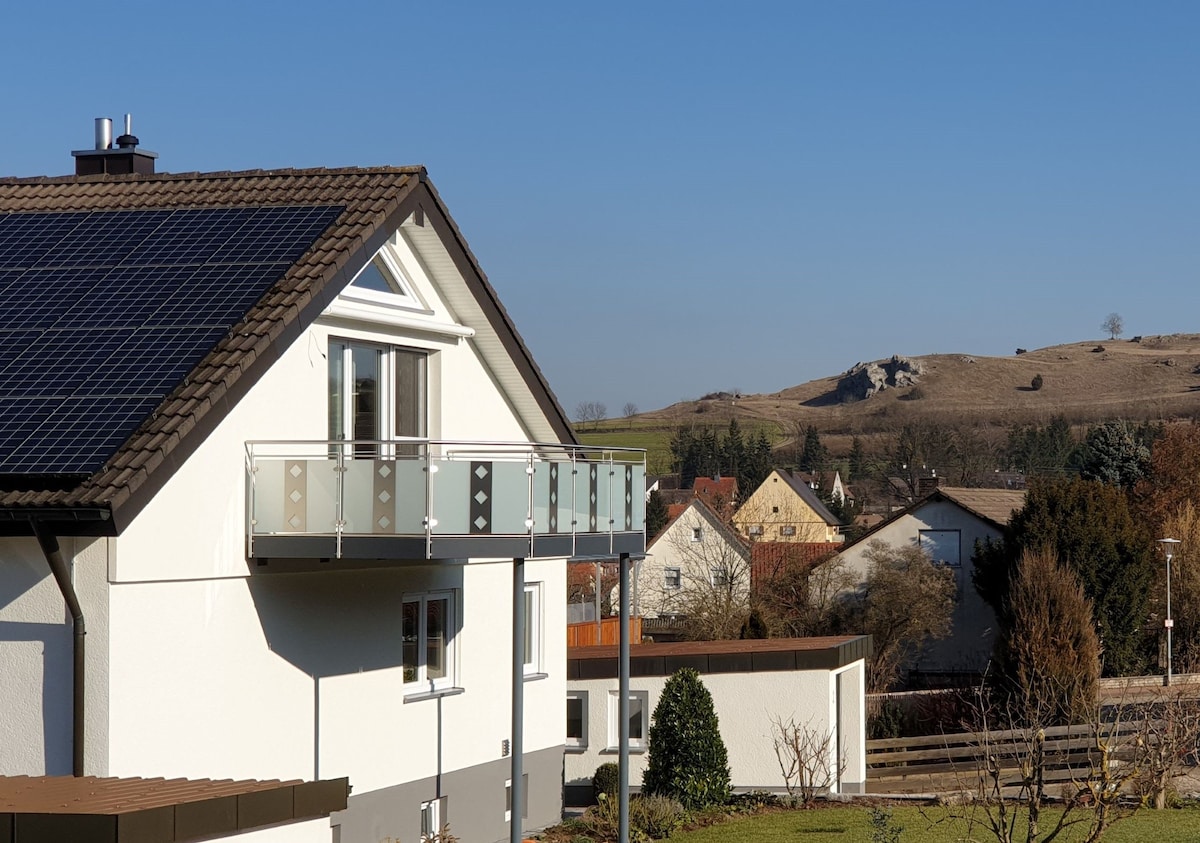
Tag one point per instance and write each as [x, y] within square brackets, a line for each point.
[62, 575]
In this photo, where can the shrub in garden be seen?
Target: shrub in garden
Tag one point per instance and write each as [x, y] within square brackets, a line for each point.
[606, 780]
[688, 760]
[1036, 383]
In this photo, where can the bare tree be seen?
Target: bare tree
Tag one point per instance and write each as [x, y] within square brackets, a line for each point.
[590, 411]
[799, 599]
[1114, 324]
[629, 410]
[808, 758]
[904, 601]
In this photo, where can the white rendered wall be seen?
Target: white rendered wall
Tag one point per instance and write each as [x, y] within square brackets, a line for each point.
[307, 831]
[215, 673]
[746, 704]
[973, 623]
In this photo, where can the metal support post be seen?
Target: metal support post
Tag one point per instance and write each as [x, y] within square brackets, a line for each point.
[623, 706]
[517, 745]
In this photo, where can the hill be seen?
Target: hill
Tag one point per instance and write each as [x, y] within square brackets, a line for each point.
[1149, 377]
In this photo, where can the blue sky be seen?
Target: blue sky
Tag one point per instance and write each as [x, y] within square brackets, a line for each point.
[679, 197]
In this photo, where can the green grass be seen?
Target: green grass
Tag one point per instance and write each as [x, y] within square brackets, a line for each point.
[850, 825]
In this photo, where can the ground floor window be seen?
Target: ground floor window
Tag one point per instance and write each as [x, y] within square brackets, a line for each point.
[577, 719]
[639, 719]
[433, 820]
[533, 627]
[427, 631]
[524, 798]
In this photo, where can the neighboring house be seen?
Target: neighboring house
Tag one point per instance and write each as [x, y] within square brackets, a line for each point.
[696, 558]
[818, 683]
[946, 524]
[720, 493]
[784, 509]
[827, 481]
[249, 434]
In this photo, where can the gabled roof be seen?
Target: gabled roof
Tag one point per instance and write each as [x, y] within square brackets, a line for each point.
[995, 506]
[711, 486]
[704, 511]
[797, 484]
[370, 206]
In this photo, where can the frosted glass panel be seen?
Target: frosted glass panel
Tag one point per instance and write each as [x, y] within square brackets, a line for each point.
[268, 497]
[322, 495]
[358, 505]
[604, 502]
[452, 496]
[582, 492]
[410, 496]
[639, 497]
[541, 497]
[510, 497]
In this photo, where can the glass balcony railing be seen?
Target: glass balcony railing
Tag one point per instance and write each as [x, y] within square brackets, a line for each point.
[443, 499]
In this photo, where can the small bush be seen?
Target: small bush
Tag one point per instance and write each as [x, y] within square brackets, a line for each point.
[1037, 382]
[606, 780]
[656, 816]
[1097, 349]
[1022, 351]
[883, 830]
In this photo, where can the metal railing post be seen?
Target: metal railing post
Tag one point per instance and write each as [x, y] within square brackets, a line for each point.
[429, 467]
[339, 522]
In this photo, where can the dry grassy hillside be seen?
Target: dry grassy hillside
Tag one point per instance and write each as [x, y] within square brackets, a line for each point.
[1156, 377]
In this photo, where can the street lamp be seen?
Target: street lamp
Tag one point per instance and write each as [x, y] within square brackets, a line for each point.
[1169, 550]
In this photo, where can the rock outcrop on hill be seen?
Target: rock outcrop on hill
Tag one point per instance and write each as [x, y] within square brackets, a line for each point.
[866, 379]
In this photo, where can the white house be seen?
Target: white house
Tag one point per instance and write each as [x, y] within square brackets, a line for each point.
[270, 437]
[816, 683]
[696, 558]
[946, 524]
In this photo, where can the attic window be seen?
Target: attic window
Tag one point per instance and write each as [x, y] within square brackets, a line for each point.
[382, 281]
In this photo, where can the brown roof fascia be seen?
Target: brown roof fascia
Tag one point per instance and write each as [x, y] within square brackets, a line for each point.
[89, 809]
[225, 396]
[503, 324]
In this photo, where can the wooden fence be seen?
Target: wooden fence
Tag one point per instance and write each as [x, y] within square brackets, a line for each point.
[585, 634]
[960, 761]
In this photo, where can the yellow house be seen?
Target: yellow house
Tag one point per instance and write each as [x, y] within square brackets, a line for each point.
[784, 509]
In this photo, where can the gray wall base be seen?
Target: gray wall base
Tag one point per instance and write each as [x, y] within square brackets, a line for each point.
[474, 803]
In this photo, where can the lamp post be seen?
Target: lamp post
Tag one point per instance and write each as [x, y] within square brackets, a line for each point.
[1169, 550]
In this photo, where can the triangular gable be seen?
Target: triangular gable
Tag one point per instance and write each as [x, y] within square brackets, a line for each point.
[377, 203]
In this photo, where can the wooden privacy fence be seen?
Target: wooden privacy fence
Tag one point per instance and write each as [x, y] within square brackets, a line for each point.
[586, 633]
[959, 761]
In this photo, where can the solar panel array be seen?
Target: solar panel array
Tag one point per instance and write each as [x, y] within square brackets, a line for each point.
[103, 313]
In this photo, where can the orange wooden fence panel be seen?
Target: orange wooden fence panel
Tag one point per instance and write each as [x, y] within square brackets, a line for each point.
[584, 634]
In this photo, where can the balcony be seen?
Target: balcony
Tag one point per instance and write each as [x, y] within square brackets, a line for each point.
[424, 499]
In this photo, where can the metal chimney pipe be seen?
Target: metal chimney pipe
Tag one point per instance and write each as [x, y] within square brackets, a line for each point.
[129, 124]
[103, 133]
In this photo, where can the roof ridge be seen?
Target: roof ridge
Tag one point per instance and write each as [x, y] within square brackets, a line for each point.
[216, 175]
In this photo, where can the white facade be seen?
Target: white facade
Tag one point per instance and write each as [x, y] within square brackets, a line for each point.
[199, 667]
[695, 556]
[948, 533]
[828, 701]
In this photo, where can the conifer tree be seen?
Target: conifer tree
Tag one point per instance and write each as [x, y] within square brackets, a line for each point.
[688, 761]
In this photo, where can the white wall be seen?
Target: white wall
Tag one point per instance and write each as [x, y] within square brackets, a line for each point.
[675, 548]
[973, 625]
[746, 704]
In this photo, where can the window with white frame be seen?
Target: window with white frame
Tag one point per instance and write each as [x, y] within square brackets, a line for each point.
[376, 392]
[639, 719]
[533, 628]
[577, 724]
[755, 529]
[697, 534]
[427, 627]
[672, 578]
[433, 820]
[524, 798]
[944, 547]
[383, 281]
[787, 530]
[719, 575]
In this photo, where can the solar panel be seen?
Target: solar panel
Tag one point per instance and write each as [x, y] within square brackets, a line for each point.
[103, 313]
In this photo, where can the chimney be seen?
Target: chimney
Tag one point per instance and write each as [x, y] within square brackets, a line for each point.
[104, 160]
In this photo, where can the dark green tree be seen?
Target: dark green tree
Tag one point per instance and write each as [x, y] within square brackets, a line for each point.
[756, 466]
[656, 515]
[814, 453]
[1113, 453]
[1089, 527]
[688, 761]
[858, 459]
[1041, 449]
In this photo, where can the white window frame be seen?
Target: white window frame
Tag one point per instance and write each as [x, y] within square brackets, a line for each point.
[534, 625]
[422, 683]
[718, 576]
[580, 742]
[386, 397]
[432, 818]
[614, 724]
[697, 534]
[787, 530]
[754, 530]
[927, 543]
[524, 800]
[672, 578]
[405, 298]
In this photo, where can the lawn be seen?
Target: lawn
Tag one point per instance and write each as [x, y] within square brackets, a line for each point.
[850, 825]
